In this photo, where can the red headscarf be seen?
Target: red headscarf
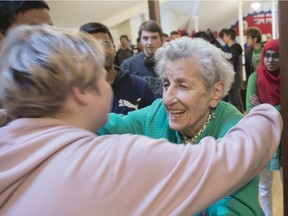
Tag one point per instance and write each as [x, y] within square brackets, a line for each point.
[268, 85]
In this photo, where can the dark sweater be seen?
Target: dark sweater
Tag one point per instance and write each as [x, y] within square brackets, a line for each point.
[130, 92]
[236, 60]
[121, 55]
[136, 65]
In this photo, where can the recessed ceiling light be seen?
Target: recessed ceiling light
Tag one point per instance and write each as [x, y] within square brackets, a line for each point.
[255, 6]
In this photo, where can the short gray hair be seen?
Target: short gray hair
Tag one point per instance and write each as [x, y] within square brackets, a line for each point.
[40, 64]
[214, 64]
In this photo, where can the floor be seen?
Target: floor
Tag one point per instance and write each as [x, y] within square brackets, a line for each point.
[277, 195]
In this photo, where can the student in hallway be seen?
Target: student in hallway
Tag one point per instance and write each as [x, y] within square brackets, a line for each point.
[14, 13]
[253, 50]
[234, 94]
[142, 64]
[124, 51]
[131, 92]
[264, 87]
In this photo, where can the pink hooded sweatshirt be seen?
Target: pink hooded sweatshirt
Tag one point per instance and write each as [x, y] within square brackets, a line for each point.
[50, 168]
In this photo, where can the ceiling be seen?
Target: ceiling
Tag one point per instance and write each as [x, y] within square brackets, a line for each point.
[73, 14]
[211, 13]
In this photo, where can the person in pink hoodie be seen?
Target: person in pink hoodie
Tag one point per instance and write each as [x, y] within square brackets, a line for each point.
[54, 86]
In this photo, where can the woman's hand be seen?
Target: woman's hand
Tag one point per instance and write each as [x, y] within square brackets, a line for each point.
[254, 99]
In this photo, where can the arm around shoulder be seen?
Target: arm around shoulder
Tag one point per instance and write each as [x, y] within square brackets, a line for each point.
[241, 154]
[186, 179]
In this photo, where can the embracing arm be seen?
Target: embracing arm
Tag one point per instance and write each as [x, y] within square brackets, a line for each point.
[241, 154]
[162, 178]
[187, 179]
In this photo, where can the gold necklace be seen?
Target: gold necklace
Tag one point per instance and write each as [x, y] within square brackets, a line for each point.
[194, 138]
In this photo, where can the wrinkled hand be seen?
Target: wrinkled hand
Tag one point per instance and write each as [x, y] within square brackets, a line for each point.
[4, 118]
[254, 99]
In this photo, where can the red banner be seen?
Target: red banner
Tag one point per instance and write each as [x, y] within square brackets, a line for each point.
[262, 20]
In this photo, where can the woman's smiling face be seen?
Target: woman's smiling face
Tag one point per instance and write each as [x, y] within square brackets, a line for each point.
[185, 96]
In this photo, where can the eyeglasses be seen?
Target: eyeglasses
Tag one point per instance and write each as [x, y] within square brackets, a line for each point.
[106, 43]
[274, 56]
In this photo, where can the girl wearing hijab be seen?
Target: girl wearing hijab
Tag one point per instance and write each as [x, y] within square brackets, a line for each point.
[264, 87]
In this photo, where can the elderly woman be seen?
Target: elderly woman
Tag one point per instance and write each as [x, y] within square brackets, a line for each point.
[51, 163]
[196, 76]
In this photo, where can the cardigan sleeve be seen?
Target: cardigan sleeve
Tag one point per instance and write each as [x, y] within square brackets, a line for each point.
[251, 89]
[135, 122]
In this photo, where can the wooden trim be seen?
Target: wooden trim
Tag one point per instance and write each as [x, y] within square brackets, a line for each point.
[283, 37]
[154, 11]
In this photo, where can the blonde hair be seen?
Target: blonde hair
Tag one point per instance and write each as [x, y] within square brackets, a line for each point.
[40, 64]
[214, 65]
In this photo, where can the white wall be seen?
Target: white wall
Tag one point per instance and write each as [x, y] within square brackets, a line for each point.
[127, 22]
